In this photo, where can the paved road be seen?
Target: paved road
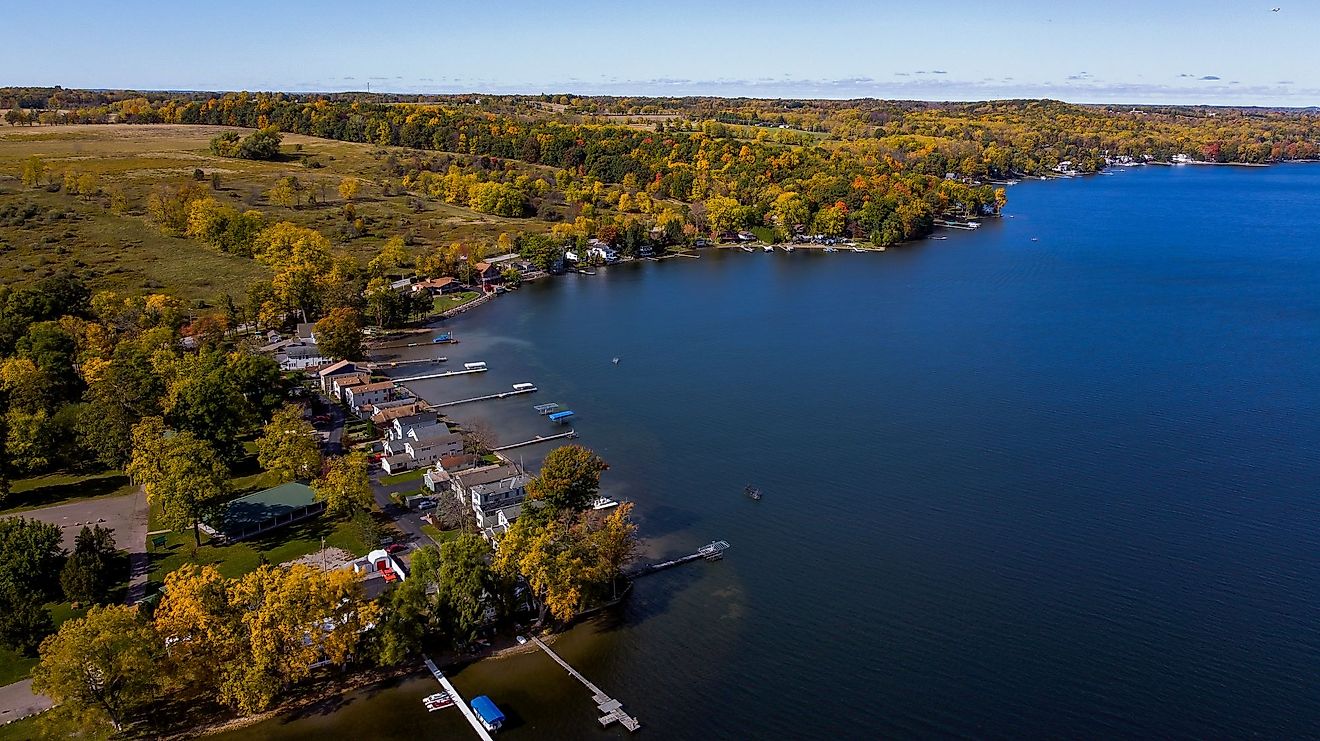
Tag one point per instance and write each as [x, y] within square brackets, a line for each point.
[17, 701]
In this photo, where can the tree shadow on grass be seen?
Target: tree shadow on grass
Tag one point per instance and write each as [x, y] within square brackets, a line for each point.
[45, 496]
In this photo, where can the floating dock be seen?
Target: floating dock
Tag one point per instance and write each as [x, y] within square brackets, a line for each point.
[611, 709]
[446, 374]
[544, 409]
[487, 397]
[458, 701]
[536, 440]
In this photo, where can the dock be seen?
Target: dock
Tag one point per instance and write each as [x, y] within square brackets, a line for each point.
[544, 409]
[487, 397]
[534, 441]
[611, 710]
[711, 552]
[458, 700]
[446, 374]
[380, 365]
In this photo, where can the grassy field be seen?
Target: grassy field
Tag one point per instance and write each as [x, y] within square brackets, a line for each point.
[399, 478]
[58, 488]
[124, 251]
[51, 724]
[237, 559]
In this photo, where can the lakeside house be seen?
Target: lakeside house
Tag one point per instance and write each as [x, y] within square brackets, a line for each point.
[347, 381]
[419, 444]
[326, 376]
[384, 414]
[358, 397]
[488, 490]
[489, 275]
[437, 286]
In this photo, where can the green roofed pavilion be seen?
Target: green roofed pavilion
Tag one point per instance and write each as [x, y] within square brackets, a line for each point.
[268, 509]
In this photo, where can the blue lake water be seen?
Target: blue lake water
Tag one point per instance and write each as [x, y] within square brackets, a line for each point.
[1057, 477]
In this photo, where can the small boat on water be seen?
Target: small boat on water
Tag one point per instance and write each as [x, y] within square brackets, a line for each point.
[788, 248]
[438, 701]
[858, 249]
[752, 492]
[745, 248]
[615, 361]
[939, 236]
[769, 248]
[486, 712]
[603, 503]
[831, 249]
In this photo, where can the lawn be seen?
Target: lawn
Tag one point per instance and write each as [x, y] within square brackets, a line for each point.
[57, 488]
[236, 559]
[51, 724]
[453, 300]
[438, 535]
[399, 478]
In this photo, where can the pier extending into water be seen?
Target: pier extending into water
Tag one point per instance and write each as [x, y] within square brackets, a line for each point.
[458, 700]
[611, 709]
[446, 374]
[711, 552]
[535, 440]
[380, 365]
[487, 397]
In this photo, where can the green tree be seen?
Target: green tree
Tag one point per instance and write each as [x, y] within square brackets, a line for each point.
[569, 479]
[289, 446]
[106, 662]
[204, 398]
[87, 576]
[464, 581]
[344, 485]
[31, 561]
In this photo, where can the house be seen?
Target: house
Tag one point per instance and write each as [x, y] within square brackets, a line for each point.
[384, 415]
[437, 477]
[437, 286]
[604, 253]
[489, 275]
[327, 374]
[417, 443]
[348, 380]
[399, 427]
[306, 332]
[489, 489]
[358, 397]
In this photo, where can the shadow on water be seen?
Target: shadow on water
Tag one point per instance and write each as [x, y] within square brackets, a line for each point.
[663, 519]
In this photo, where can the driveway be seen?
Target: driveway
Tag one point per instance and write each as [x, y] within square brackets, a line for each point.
[126, 515]
[17, 701]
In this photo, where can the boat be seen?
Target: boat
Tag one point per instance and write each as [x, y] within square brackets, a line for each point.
[831, 249]
[939, 236]
[474, 366]
[769, 248]
[522, 640]
[438, 701]
[745, 248]
[544, 409]
[489, 715]
[603, 503]
[788, 248]
[561, 417]
[752, 492]
[523, 386]
[858, 249]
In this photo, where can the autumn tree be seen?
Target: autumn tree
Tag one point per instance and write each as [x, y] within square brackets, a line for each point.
[289, 446]
[34, 171]
[105, 662]
[181, 473]
[344, 485]
[348, 188]
[339, 335]
[287, 192]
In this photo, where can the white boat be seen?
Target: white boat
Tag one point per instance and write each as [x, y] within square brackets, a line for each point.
[604, 503]
[475, 366]
[523, 386]
[939, 236]
[858, 249]
[788, 248]
[745, 248]
[769, 248]
[831, 249]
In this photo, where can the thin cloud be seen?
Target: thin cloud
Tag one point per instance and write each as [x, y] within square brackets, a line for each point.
[1210, 77]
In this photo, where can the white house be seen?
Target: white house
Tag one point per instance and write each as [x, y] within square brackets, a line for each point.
[327, 374]
[368, 393]
[490, 489]
[346, 381]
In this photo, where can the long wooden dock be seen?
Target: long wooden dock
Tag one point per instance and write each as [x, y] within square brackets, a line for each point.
[535, 440]
[712, 552]
[446, 374]
[458, 700]
[487, 397]
[611, 709]
[381, 365]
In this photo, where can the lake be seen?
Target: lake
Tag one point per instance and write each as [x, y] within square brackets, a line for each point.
[1056, 477]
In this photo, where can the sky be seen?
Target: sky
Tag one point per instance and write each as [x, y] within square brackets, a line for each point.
[1238, 52]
